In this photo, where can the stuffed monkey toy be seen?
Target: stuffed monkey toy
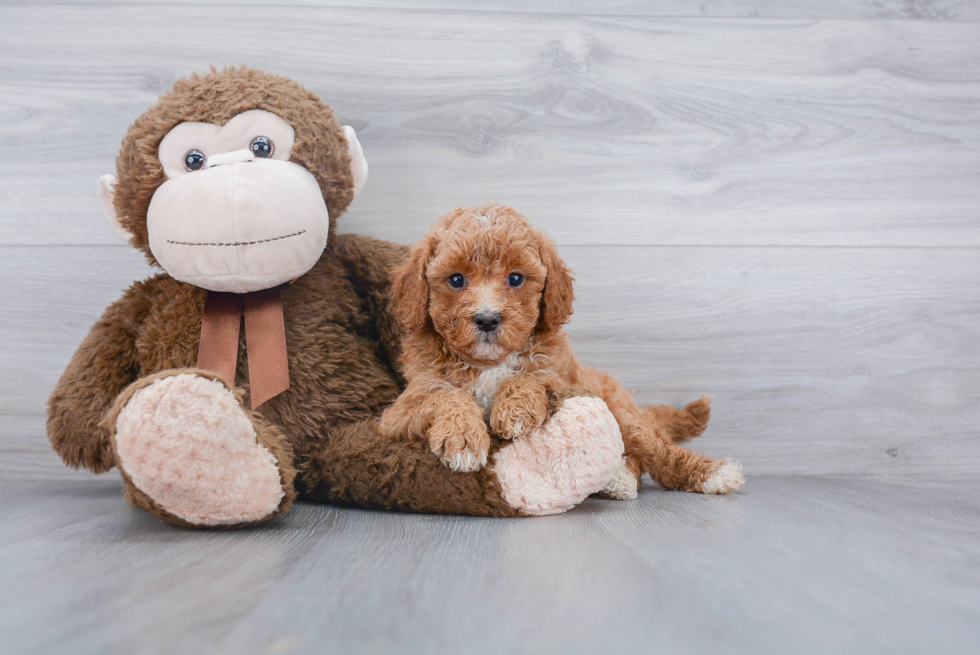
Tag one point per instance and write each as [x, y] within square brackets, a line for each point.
[254, 368]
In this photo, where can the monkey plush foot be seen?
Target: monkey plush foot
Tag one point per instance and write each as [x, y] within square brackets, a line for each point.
[547, 470]
[555, 467]
[192, 454]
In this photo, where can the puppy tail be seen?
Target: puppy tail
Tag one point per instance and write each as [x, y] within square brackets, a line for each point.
[676, 425]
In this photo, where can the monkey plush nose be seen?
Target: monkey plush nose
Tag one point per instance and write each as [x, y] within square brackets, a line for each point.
[487, 321]
[232, 157]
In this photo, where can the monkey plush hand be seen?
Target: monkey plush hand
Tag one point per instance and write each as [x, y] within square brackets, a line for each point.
[232, 184]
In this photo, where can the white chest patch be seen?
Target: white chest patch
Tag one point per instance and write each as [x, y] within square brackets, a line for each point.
[486, 384]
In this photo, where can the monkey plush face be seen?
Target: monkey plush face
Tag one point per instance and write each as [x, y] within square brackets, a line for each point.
[235, 214]
[239, 191]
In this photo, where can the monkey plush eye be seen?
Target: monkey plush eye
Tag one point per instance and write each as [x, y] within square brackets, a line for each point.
[261, 146]
[457, 281]
[515, 280]
[194, 160]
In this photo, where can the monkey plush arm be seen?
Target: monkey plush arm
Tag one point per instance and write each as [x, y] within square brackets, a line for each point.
[368, 263]
[101, 368]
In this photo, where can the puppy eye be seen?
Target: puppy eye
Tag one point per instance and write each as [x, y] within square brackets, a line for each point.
[194, 160]
[515, 280]
[457, 281]
[261, 146]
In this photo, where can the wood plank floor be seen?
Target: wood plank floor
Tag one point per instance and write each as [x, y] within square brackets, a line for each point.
[788, 565]
[603, 130]
[939, 10]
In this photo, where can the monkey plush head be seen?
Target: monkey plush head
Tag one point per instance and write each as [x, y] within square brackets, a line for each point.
[233, 180]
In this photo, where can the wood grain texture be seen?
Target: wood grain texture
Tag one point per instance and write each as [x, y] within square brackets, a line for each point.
[822, 360]
[788, 565]
[944, 10]
[606, 130]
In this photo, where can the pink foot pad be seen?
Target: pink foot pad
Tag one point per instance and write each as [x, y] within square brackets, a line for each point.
[186, 442]
[557, 466]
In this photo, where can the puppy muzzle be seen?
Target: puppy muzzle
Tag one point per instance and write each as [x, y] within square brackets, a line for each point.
[487, 321]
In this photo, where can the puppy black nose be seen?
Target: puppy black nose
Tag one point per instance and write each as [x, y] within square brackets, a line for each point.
[487, 321]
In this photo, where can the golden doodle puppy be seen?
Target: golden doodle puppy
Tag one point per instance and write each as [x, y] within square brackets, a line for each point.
[483, 299]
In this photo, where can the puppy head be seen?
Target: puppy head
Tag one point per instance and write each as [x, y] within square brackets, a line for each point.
[484, 280]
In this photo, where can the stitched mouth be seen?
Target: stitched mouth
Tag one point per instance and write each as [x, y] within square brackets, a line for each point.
[238, 243]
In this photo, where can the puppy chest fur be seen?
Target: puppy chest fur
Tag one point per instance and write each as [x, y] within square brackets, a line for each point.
[485, 385]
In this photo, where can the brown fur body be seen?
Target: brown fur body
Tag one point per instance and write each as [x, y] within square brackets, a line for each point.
[342, 339]
[460, 375]
[341, 378]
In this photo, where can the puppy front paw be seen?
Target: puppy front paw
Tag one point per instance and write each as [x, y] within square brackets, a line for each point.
[461, 441]
[517, 413]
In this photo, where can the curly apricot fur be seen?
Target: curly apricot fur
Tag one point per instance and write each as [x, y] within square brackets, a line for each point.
[453, 366]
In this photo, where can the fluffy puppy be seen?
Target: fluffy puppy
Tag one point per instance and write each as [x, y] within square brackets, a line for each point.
[483, 299]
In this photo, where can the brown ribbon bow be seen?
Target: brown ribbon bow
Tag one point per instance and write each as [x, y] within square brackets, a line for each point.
[265, 340]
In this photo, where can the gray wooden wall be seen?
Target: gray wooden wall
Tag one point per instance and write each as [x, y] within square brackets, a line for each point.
[773, 202]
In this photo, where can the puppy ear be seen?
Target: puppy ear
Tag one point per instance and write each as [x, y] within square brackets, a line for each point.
[558, 294]
[410, 289]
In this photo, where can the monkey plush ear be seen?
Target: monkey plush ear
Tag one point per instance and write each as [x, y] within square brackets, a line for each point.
[358, 164]
[106, 189]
